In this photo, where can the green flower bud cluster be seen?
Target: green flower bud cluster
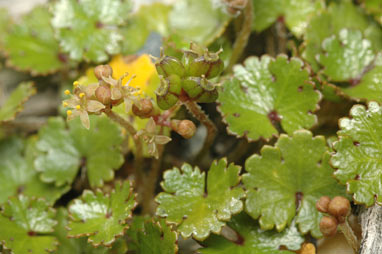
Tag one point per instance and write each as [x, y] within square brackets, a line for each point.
[188, 78]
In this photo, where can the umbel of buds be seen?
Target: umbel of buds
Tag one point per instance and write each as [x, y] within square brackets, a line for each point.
[185, 128]
[338, 209]
[188, 78]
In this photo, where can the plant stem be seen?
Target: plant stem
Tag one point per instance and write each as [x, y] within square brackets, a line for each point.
[349, 235]
[242, 38]
[138, 162]
[199, 114]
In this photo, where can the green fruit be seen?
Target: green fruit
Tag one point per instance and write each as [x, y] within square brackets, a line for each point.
[168, 92]
[168, 65]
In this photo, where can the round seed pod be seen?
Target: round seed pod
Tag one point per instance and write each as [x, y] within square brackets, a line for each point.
[103, 71]
[323, 204]
[328, 226]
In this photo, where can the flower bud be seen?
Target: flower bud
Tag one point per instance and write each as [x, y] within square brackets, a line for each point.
[339, 207]
[323, 204]
[103, 94]
[185, 128]
[145, 110]
[328, 226]
[168, 65]
[168, 92]
[103, 71]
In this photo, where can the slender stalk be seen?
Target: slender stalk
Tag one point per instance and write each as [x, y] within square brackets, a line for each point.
[199, 114]
[138, 161]
[242, 38]
[349, 235]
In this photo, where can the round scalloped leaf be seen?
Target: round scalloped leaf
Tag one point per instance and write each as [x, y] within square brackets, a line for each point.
[253, 239]
[80, 245]
[286, 180]
[89, 29]
[198, 20]
[148, 236]
[345, 56]
[31, 46]
[196, 213]
[358, 153]
[269, 92]
[295, 12]
[63, 151]
[102, 217]
[17, 174]
[332, 20]
[22, 222]
[14, 104]
[370, 86]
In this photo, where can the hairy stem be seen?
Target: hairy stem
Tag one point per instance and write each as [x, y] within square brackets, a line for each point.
[242, 38]
[199, 114]
[349, 235]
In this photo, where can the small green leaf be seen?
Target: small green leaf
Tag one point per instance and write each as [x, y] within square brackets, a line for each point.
[14, 104]
[31, 46]
[369, 87]
[63, 151]
[331, 21]
[198, 20]
[22, 221]
[17, 174]
[195, 212]
[269, 92]
[296, 13]
[102, 217]
[374, 7]
[90, 29]
[345, 56]
[148, 236]
[358, 153]
[285, 181]
[253, 239]
[80, 245]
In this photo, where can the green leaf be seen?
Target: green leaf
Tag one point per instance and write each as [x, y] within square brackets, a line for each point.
[80, 245]
[148, 236]
[5, 23]
[295, 12]
[269, 92]
[369, 87]
[64, 151]
[198, 20]
[31, 46]
[102, 217]
[253, 239]
[345, 56]
[22, 222]
[286, 180]
[14, 104]
[374, 7]
[90, 29]
[358, 153]
[331, 21]
[195, 212]
[17, 174]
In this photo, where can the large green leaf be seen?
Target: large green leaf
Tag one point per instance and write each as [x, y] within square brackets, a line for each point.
[370, 86]
[31, 46]
[195, 212]
[80, 245]
[102, 217]
[14, 104]
[286, 180]
[269, 92]
[253, 240]
[331, 21]
[345, 56]
[358, 153]
[22, 222]
[64, 151]
[198, 20]
[17, 174]
[89, 29]
[295, 12]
